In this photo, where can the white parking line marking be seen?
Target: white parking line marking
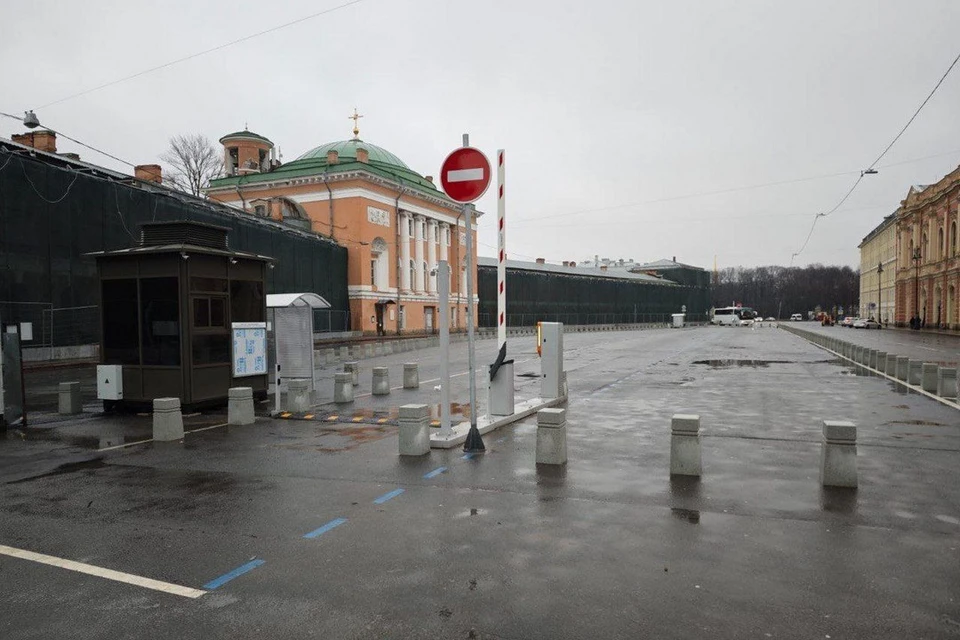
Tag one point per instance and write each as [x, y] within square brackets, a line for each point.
[100, 572]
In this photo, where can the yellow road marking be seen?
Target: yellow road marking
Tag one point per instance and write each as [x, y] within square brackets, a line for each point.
[308, 416]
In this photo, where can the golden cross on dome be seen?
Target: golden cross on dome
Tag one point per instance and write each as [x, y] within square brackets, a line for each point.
[356, 128]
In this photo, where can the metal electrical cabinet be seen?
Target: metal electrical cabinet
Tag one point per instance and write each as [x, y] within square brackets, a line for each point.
[551, 359]
[109, 382]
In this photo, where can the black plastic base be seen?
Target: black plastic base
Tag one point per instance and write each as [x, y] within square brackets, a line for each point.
[474, 443]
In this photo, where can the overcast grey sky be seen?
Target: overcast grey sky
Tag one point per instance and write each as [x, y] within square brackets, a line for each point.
[602, 106]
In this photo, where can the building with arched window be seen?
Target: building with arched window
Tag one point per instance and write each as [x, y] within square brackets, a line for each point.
[928, 260]
[395, 223]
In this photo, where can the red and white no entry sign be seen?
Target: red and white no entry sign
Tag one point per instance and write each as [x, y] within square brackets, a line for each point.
[465, 174]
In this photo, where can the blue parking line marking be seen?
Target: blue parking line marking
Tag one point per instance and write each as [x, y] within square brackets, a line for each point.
[388, 496]
[435, 472]
[333, 524]
[239, 571]
[468, 456]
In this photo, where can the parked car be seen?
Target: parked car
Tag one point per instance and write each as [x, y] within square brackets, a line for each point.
[866, 323]
[770, 320]
[847, 321]
[796, 317]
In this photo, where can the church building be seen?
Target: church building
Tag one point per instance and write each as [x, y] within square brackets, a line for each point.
[395, 223]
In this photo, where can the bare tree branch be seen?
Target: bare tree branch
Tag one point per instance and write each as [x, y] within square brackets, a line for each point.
[192, 162]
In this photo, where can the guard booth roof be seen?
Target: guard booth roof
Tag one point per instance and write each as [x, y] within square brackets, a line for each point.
[280, 300]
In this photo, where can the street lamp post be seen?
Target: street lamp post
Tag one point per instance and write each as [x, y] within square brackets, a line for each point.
[916, 289]
[880, 293]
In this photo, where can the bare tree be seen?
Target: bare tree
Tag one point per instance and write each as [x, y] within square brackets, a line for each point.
[193, 161]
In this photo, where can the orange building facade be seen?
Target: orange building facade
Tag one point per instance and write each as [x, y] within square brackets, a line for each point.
[396, 225]
[928, 256]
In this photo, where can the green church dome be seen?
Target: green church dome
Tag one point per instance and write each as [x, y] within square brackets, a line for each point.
[347, 150]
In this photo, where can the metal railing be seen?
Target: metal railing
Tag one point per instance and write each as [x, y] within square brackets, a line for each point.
[486, 320]
[70, 326]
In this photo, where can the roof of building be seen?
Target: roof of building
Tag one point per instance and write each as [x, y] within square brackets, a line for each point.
[666, 264]
[246, 134]
[314, 162]
[886, 222]
[617, 274]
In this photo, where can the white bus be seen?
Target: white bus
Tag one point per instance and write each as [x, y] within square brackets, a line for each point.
[733, 316]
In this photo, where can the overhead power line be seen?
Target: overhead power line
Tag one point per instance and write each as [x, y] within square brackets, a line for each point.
[872, 167]
[200, 53]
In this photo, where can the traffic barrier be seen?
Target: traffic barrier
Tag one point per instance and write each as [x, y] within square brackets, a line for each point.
[929, 377]
[329, 356]
[881, 364]
[947, 382]
[903, 368]
[916, 372]
[381, 381]
[167, 420]
[298, 394]
[552, 436]
[891, 366]
[838, 454]
[368, 350]
[685, 453]
[411, 375]
[69, 397]
[414, 430]
[353, 368]
[240, 406]
[343, 387]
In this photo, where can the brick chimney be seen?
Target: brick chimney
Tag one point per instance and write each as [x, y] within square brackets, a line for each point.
[41, 140]
[429, 179]
[333, 156]
[566, 263]
[148, 173]
[541, 261]
[603, 267]
[572, 263]
[363, 156]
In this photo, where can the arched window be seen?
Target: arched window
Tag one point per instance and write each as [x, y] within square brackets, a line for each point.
[940, 245]
[953, 238]
[413, 272]
[924, 248]
[379, 259]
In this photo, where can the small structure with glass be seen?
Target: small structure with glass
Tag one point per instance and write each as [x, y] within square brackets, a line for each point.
[180, 314]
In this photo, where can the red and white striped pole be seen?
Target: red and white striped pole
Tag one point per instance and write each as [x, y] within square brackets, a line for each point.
[501, 264]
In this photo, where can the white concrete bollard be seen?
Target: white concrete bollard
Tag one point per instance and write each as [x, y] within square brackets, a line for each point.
[881, 361]
[552, 436]
[915, 376]
[685, 453]
[838, 454]
[388, 348]
[414, 430]
[947, 382]
[167, 420]
[368, 350]
[890, 368]
[903, 368]
[381, 381]
[330, 356]
[240, 406]
[411, 375]
[378, 349]
[70, 401]
[343, 387]
[298, 394]
[353, 368]
[929, 377]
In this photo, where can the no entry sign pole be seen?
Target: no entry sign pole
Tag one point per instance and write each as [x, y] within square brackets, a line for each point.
[474, 442]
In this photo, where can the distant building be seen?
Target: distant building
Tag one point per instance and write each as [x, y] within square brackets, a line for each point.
[928, 265]
[878, 271]
[370, 201]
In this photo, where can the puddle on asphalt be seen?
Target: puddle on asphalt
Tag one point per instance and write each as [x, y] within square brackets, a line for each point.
[742, 363]
[690, 515]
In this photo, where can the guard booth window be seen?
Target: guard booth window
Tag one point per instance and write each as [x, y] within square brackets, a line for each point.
[246, 301]
[211, 340]
[160, 318]
[120, 326]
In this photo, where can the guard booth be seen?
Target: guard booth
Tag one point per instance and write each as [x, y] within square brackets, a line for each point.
[180, 315]
[291, 317]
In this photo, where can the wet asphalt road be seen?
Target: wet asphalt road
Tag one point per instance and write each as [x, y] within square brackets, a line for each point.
[607, 547]
[916, 345]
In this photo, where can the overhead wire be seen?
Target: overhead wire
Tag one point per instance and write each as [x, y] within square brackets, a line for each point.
[200, 53]
[872, 167]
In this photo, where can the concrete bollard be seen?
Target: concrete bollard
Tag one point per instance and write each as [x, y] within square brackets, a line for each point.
[890, 368]
[838, 454]
[388, 348]
[411, 375]
[240, 406]
[903, 368]
[381, 381]
[368, 350]
[414, 430]
[881, 361]
[343, 353]
[343, 387]
[947, 382]
[685, 455]
[167, 420]
[329, 356]
[353, 368]
[858, 354]
[552, 436]
[298, 394]
[915, 374]
[378, 349]
[70, 401]
[928, 375]
[871, 358]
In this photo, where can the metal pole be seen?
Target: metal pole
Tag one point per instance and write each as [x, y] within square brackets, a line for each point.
[443, 280]
[474, 442]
